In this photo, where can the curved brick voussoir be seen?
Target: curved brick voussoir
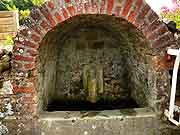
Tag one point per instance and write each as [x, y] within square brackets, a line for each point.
[156, 31]
[92, 7]
[127, 7]
[43, 19]
[32, 26]
[164, 40]
[48, 16]
[141, 21]
[39, 21]
[137, 12]
[134, 11]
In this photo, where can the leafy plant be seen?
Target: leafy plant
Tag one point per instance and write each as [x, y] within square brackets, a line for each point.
[23, 6]
[9, 40]
[23, 14]
[172, 15]
[38, 2]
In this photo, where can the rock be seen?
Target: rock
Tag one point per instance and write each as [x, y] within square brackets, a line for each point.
[7, 88]
[3, 130]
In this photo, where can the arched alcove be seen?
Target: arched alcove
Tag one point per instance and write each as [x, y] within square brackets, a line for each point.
[132, 26]
[100, 48]
[92, 55]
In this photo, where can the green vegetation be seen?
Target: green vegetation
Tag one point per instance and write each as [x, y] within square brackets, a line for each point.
[9, 40]
[173, 15]
[23, 6]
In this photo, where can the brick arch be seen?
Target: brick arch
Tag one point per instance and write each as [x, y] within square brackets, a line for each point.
[46, 17]
[137, 12]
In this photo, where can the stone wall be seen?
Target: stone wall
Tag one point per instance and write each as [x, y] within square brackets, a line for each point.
[24, 102]
[107, 42]
[51, 13]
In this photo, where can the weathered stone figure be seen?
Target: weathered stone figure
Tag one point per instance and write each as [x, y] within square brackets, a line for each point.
[93, 81]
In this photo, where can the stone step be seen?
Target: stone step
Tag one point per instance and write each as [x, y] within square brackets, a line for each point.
[139, 121]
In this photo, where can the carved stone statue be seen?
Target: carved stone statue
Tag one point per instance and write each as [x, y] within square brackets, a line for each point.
[93, 81]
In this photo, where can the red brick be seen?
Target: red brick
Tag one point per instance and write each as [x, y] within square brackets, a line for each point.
[51, 5]
[126, 8]
[31, 52]
[24, 32]
[58, 17]
[110, 7]
[141, 16]
[50, 19]
[164, 63]
[155, 25]
[102, 6]
[160, 31]
[45, 26]
[64, 12]
[29, 66]
[28, 99]
[18, 90]
[36, 15]
[94, 7]
[162, 42]
[151, 27]
[117, 11]
[71, 10]
[44, 10]
[87, 7]
[79, 8]
[36, 29]
[31, 108]
[144, 11]
[31, 44]
[24, 58]
[18, 43]
[67, 1]
[152, 17]
[117, 8]
[134, 13]
[35, 38]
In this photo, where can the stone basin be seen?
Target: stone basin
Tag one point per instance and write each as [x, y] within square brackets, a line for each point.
[137, 121]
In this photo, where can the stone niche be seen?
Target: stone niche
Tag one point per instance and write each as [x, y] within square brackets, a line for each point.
[94, 62]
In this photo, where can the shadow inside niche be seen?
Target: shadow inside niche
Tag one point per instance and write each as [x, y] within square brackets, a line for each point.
[88, 106]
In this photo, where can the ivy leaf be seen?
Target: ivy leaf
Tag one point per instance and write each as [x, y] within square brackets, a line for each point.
[24, 13]
[173, 16]
[38, 2]
[9, 40]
